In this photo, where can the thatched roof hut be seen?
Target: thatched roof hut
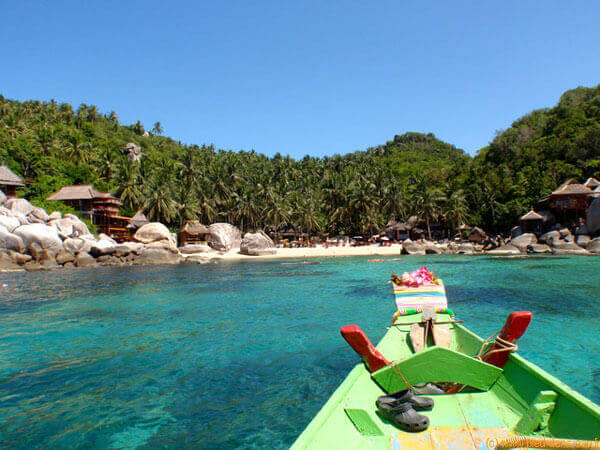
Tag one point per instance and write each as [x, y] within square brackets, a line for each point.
[138, 220]
[192, 232]
[531, 215]
[9, 182]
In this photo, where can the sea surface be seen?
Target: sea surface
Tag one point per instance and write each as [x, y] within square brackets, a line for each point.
[237, 355]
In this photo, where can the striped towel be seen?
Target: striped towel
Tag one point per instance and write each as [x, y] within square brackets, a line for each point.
[419, 297]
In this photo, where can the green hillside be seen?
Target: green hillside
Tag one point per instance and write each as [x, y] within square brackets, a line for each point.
[535, 155]
[55, 145]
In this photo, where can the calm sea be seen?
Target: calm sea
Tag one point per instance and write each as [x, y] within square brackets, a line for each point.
[243, 355]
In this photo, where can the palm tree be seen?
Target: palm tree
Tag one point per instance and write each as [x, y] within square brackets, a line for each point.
[429, 201]
[158, 129]
[456, 209]
[128, 182]
[187, 206]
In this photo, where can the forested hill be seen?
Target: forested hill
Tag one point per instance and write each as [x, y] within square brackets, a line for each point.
[536, 154]
[55, 145]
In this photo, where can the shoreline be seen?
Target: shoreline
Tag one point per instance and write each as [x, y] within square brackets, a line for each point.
[303, 252]
[283, 254]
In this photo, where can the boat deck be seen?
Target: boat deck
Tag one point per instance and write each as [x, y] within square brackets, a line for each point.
[463, 420]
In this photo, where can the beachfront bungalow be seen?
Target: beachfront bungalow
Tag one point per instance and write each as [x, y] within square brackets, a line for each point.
[396, 231]
[101, 208]
[10, 182]
[193, 232]
[531, 222]
[568, 203]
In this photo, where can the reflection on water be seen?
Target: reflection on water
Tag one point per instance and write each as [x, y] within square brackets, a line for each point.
[244, 355]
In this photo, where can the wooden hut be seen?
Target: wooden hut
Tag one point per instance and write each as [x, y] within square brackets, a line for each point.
[531, 222]
[10, 182]
[101, 208]
[193, 232]
[568, 203]
[396, 231]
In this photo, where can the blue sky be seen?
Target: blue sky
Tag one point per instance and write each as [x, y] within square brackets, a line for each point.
[303, 77]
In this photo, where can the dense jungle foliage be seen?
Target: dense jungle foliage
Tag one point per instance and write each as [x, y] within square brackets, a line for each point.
[53, 145]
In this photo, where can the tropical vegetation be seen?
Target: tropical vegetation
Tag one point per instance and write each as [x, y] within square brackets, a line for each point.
[52, 145]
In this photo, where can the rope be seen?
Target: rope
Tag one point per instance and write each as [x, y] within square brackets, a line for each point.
[504, 346]
[395, 369]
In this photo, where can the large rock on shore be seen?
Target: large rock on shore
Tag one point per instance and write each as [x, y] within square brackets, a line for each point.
[523, 240]
[412, 248]
[65, 257]
[568, 248]
[432, 248]
[8, 264]
[550, 237]
[10, 241]
[504, 250]
[157, 256]
[152, 232]
[20, 205]
[592, 217]
[593, 246]
[465, 249]
[189, 249]
[156, 235]
[256, 244]
[538, 248]
[10, 222]
[46, 237]
[84, 259]
[75, 245]
[224, 236]
[103, 247]
[38, 215]
[477, 235]
[129, 248]
[69, 226]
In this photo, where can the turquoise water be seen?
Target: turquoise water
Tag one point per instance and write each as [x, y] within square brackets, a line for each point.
[243, 355]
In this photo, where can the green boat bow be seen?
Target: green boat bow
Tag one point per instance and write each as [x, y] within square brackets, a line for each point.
[517, 400]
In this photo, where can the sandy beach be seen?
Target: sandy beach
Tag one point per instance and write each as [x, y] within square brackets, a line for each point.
[303, 253]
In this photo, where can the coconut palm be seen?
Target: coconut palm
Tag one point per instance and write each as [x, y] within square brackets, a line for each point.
[456, 209]
[128, 184]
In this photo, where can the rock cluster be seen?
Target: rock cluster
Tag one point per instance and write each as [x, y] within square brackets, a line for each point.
[31, 239]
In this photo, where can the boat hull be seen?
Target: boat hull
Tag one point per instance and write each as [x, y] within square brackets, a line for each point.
[462, 420]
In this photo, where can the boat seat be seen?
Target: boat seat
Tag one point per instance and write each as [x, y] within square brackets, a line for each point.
[437, 364]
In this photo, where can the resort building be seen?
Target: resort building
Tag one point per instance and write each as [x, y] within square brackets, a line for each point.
[568, 203]
[101, 208]
[193, 232]
[531, 222]
[10, 182]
